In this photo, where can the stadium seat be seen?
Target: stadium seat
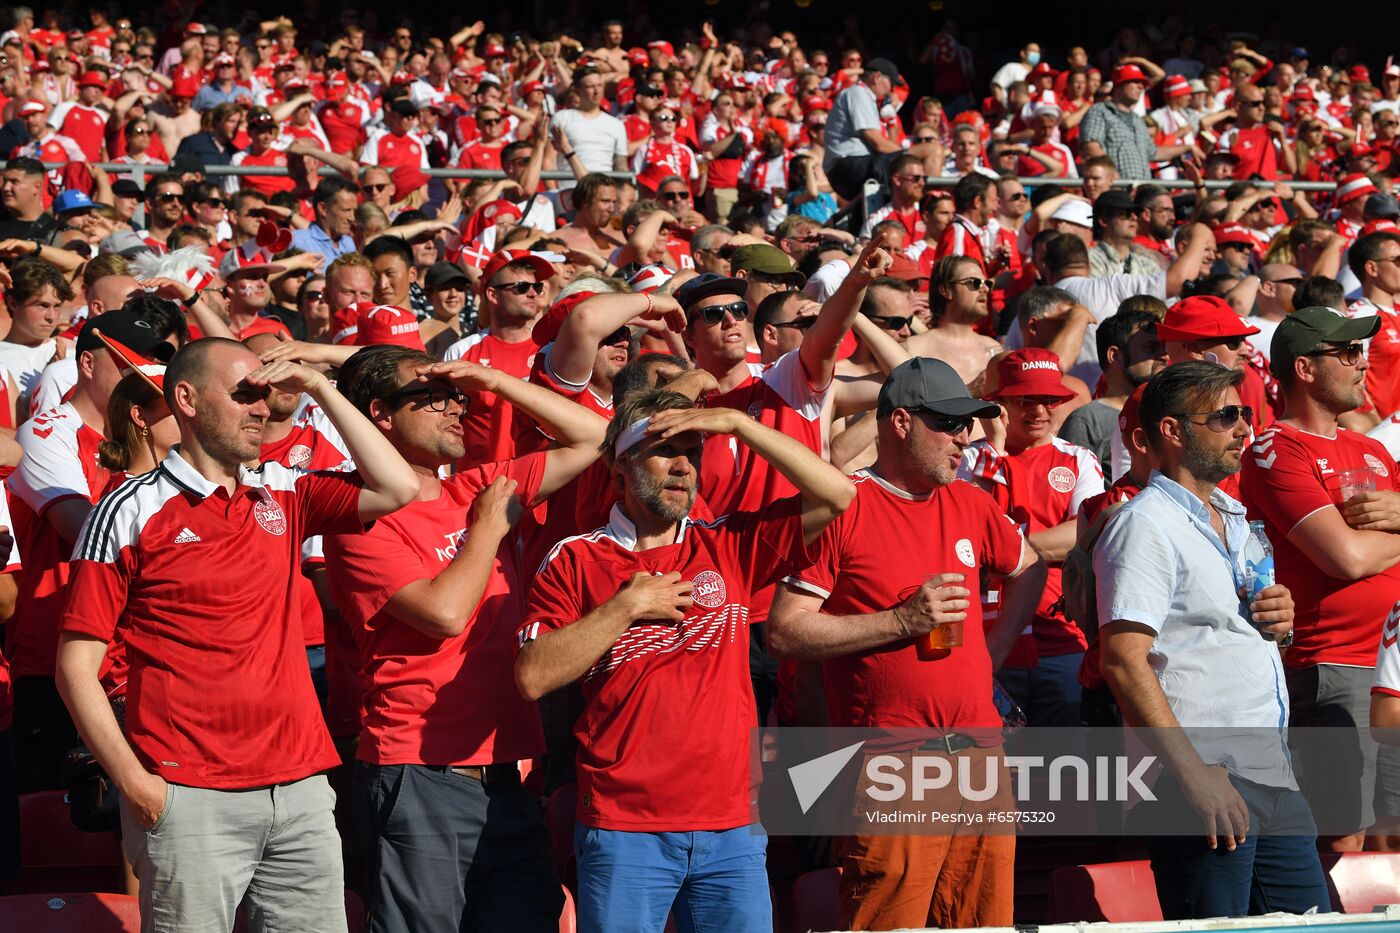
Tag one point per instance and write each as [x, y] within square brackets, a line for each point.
[1359, 881]
[816, 901]
[568, 923]
[1117, 892]
[57, 856]
[563, 803]
[81, 912]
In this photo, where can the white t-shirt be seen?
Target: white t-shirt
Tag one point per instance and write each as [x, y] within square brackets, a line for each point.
[1102, 295]
[25, 364]
[597, 140]
[1261, 340]
[57, 379]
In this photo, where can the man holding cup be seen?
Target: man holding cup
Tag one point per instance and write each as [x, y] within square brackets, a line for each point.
[1328, 500]
[871, 613]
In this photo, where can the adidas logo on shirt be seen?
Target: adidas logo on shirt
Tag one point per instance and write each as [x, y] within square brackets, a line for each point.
[187, 537]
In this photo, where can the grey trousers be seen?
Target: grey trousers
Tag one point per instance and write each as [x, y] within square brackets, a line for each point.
[209, 849]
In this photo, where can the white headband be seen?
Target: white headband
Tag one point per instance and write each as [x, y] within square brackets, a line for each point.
[632, 436]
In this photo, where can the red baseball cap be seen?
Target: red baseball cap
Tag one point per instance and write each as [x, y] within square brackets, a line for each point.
[546, 329]
[1041, 70]
[1354, 186]
[906, 269]
[638, 56]
[1359, 74]
[1032, 371]
[494, 50]
[1128, 418]
[1202, 317]
[661, 45]
[815, 103]
[1234, 235]
[386, 324]
[1302, 94]
[1125, 73]
[1380, 225]
[93, 79]
[1176, 86]
[531, 86]
[184, 87]
[31, 106]
[542, 267]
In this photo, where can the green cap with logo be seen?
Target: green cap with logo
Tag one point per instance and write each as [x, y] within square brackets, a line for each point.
[1306, 329]
[768, 260]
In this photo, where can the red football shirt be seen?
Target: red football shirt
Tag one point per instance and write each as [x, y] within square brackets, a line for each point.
[479, 154]
[1382, 356]
[488, 422]
[267, 184]
[344, 123]
[59, 463]
[438, 701]
[1288, 475]
[219, 694]
[664, 738]
[86, 126]
[404, 157]
[1040, 487]
[957, 528]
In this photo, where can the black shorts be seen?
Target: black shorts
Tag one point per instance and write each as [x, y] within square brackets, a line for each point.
[849, 175]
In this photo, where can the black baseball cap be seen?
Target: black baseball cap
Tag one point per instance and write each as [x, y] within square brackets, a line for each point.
[1113, 200]
[126, 188]
[442, 273]
[1304, 330]
[404, 107]
[649, 90]
[884, 66]
[931, 385]
[125, 328]
[706, 284]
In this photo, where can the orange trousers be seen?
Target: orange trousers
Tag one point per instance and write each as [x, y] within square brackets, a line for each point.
[964, 879]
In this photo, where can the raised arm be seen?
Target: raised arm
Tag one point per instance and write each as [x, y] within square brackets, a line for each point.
[825, 491]
[572, 354]
[1188, 263]
[822, 342]
[576, 430]
[389, 482]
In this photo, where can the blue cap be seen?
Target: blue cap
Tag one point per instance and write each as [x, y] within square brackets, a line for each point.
[1299, 52]
[71, 201]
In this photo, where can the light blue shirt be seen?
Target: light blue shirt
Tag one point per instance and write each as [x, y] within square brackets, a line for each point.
[313, 239]
[1159, 563]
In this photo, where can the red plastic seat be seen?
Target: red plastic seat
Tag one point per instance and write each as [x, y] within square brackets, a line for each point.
[1359, 881]
[816, 901]
[568, 923]
[1117, 892]
[81, 912]
[559, 815]
[57, 856]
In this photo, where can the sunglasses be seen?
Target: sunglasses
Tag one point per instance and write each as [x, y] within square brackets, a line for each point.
[892, 321]
[947, 424]
[803, 324]
[166, 198]
[375, 189]
[675, 195]
[315, 294]
[1348, 355]
[665, 118]
[488, 122]
[212, 202]
[738, 310]
[925, 139]
[1030, 401]
[973, 283]
[1295, 281]
[622, 335]
[140, 131]
[521, 288]
[919, 178]
[513, 163]
[434, 398]
[1251, 103]
[1388, 123]
[1223, 419]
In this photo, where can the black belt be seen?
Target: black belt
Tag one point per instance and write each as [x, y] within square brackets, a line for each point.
[950, 744]
[498, 775]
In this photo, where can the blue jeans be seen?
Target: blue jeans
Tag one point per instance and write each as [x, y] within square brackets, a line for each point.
[711, 880]
[1276, 869]
[1049, 692]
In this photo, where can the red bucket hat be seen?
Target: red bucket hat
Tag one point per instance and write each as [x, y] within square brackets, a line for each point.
[1031, 371]
[1202, 317]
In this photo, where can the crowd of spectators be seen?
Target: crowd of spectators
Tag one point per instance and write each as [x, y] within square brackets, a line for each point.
[351, 509]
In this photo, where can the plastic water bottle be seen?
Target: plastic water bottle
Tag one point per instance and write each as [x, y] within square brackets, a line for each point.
[1259, 571]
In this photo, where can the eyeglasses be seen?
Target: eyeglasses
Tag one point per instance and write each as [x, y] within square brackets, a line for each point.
[140, 131]
[375, 189]
[1021, 196]
[212, 202]
[803, 324]
[919, 178]
[675, 195]
[925, 139]
[166, 197]
[622, 335]
[738, 310]
[1223, 419]
[1348, 355]
[488, 121]
[434, 398]
[665, 118]
[1295, 281]
[146, 57]
[520, 288]
[315, 294]
[1251, 103]
[892, 321]
[973, 283]
[1388, 123]
[947, 424]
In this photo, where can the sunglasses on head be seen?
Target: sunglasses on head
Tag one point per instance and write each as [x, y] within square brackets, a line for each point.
[738, 310]
[521, 288]
[1223, 419]
[431, 397]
